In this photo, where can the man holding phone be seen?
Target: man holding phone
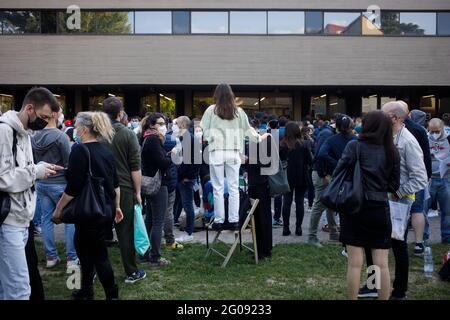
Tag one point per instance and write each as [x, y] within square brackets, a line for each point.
[18, 175]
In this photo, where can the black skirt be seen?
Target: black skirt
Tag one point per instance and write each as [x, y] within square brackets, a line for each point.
[369, 228]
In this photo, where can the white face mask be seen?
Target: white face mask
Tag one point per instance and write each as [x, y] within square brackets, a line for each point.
[436, 136]
[163, 130]
[176, 129]
[198, 135]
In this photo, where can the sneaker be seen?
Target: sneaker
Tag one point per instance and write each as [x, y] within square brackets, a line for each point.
[161, 263]
[344, 253]
[52, 262]
[315, 243]
[326, 228]
[298, 231]
[72, 263]
[136, 276]
[37, 231]
[277, 223]
[175, 246]
[419, 250]
[433, 213]
[184, 239]
[233, 226]
[365, 292]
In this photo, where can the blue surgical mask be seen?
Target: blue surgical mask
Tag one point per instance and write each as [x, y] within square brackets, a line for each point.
[76, 138]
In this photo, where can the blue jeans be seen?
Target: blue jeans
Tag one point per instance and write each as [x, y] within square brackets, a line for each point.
[187, 197]
[48, 196]
[440, 191]
[14, 277]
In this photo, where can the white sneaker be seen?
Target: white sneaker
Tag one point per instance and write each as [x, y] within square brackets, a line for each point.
[433, 213]
[344, 253]
[185, 239]
[52, 262]
[71, 263]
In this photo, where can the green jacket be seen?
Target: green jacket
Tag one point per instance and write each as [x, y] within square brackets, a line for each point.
[127, 153]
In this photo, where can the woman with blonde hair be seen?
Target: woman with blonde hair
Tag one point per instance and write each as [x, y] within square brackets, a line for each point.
[92, 129]
[224, 127]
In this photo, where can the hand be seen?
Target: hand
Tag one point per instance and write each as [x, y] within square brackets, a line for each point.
[138, 199]
[119, 216]
[244, 158]
[52, 169]
[265, 136]
[57, 216]
[174, 151]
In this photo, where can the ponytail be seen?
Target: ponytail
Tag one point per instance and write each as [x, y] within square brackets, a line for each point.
[98, 124]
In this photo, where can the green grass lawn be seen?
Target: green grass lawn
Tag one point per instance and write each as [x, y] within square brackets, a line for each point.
[296, 271]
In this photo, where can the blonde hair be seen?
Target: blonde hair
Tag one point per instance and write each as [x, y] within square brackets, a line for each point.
[98, 124]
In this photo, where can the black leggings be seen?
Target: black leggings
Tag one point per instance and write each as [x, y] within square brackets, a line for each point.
[91, 250]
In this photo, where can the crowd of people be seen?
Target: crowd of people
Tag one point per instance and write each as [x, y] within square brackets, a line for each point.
[47, 161]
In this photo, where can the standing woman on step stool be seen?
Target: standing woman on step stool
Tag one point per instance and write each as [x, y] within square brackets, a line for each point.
[224, 127]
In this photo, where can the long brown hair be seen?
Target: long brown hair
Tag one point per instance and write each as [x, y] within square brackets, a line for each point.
[292, 135]
[225, 105]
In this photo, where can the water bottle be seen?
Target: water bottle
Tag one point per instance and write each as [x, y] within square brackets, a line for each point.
[428, 266]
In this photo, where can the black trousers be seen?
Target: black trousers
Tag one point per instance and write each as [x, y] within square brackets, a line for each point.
[299, 206]
[92, 251]
[263, 220]
[37, 289]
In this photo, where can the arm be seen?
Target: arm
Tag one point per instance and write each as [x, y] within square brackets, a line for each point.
[394, 178]
[248, 130]
[118, 215]
[62, 203]
[425, 143]
[324, 158]
[155, 153]
[205, 123]
[416, 170]
[135, 166]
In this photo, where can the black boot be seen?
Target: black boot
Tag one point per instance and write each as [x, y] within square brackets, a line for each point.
[112, 293]
[286, 231]
[83, 294]
[298, 231]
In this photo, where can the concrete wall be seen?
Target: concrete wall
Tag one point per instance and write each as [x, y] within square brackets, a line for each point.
[231, 4]
[240, 60]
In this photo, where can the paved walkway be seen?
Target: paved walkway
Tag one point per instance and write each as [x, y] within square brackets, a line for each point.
[200, 236]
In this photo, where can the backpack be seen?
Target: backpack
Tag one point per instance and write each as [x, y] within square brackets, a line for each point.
[5, 200]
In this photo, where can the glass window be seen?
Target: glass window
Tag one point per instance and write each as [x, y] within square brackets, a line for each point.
[371, 24]
[286, 22]
[19, 22]
[444, 23]
[249, 101]
[95, 102]
[279, 104]
[149, 103]
[115, 22]
[62, 102]
[428, 104]
[314, 22]
[181, 22]
[337, 105]
[6, 102]
[87, 21]
[209, 22]
[444, 107]
[156, 22]
[369, 103]
[342, 23]
[319, 104]
[418, 23]
[387, 99]
[167, 104]
[248, 22]
[202, 100]
[48, 22]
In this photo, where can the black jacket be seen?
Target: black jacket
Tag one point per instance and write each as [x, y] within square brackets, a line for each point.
[379, 177]
[154, 158]
[188, 169]
[299, 161]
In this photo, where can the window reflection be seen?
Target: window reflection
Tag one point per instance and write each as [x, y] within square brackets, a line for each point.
[369, 103]
[444, 23]
[148, 104]
[19, 22]
[337, 105]
[181, 22]
[87, 21]
[319, 104]
[342, 23]
[288, 22]
[202, 100]
[408, 23]
[428, 104]
[115, 22]
[249, 101]
[6, 102]
[248, 22]
[48, 22]
[153, 22]
[167, 104]
[278, 104]
[314, 22]
[209, 22]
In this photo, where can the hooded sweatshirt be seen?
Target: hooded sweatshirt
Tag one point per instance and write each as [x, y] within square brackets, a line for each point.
[419, 117]
[18, 181]
[52, 146]
[440, 151]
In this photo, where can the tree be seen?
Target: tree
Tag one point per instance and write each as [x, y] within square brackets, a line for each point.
[98, 22]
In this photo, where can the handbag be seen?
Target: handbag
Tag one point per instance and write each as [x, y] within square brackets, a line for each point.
[90, 204]
[278, 183]
[345, 194]
[141, 241]
[5, 199]
[150, 185]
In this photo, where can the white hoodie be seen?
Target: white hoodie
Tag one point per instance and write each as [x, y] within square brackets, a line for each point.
[18, 181]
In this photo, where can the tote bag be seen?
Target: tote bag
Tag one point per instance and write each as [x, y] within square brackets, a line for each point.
[141, 241]
[399, 219]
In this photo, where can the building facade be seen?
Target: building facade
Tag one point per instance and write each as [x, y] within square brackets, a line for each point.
[287, 57]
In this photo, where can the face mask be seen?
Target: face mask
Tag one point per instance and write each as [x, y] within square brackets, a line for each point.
[37, 124]
[76, 137]
[134, 124]
[176, 129]
[60, 120]
[198, 135]
[436, 136]
[163, 130]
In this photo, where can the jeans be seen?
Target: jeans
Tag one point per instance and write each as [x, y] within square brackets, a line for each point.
[187, 198]
[440, 191]
[49, 195]
[177, 206]
[14, 277]
[299, 206]
[277, 203]
[37, 218]
[154, 219]
[318, 208]
[168, 221]
[225, 164]
[92, 252]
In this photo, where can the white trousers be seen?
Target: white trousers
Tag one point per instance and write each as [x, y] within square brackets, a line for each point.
[225, 163]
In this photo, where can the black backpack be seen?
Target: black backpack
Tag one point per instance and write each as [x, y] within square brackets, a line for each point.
[5, 200]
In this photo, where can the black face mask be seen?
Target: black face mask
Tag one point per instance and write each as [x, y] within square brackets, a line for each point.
[37, 124]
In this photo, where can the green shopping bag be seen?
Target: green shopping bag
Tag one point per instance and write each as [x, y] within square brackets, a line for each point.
[141, 241]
